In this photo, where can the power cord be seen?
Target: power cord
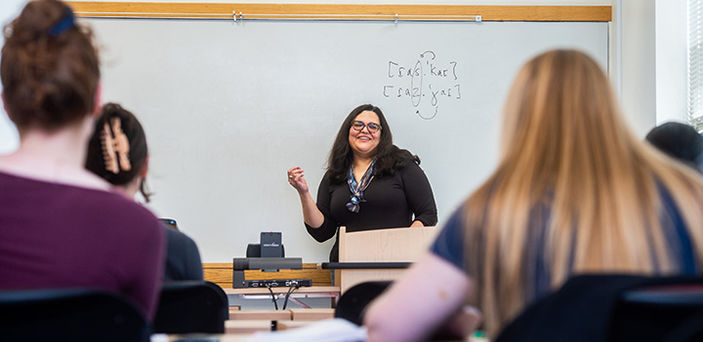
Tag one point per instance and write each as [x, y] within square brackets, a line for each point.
[293, 286]
[273, 297]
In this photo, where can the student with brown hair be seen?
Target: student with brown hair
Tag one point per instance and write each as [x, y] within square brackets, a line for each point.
[574, 192]
[126, 169]
[60, 225]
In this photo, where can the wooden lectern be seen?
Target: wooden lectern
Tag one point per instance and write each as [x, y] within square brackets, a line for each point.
[380, 245]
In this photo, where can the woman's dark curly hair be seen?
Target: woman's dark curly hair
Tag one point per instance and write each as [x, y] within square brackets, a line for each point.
[389, 157]
[138, 149]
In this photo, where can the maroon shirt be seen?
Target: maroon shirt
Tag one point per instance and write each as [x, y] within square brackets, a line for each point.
[55, 235]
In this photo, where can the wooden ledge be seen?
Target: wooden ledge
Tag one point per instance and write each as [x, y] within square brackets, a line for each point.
[245, 11]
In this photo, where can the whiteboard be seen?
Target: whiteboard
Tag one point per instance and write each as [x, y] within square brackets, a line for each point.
[229, 107]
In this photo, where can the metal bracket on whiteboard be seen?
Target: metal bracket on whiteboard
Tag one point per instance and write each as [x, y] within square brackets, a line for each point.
[395, 17]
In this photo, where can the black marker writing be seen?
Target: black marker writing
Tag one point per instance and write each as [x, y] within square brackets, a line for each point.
[425, 82]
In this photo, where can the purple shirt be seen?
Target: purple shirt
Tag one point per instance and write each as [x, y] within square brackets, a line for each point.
[55, 235]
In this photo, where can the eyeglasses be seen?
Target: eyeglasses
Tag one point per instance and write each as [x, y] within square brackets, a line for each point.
[371, 126]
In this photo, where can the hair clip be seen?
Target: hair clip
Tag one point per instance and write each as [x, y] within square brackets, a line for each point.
[121, 144]
[108, 147]
[115, 150]
[66, 22]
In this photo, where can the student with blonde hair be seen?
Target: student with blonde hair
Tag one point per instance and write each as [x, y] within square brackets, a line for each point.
[574, 192]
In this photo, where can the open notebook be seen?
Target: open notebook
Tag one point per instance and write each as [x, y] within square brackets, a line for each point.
[330, 330]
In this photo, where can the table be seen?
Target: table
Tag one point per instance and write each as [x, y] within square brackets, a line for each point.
[280, 292]
[203, 338]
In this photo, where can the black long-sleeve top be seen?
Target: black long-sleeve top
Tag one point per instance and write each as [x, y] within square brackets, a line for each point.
[182, 257]
[391, 202]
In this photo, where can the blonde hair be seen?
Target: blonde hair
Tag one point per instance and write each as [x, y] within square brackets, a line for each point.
[566, 149]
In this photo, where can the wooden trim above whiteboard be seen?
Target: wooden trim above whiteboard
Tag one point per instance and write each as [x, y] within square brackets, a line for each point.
[339, 11]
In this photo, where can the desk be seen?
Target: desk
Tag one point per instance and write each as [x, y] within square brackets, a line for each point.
[305, 315]
[271, 315]
[221, 274]
[245, 329]
[280, 292]
[252, 326]
[247, 326]
[311, 314]
[196, 337]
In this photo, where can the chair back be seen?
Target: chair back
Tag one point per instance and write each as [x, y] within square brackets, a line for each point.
[74, 314]
[352, 304]
[614, 307]
[668, 312]
[191, 307]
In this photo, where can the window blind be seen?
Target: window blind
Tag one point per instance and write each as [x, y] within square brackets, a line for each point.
[695, 63]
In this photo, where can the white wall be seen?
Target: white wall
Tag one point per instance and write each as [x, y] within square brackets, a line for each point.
[646, 74]
[636, 76]
[9, 140]
[638, 64]
[645, 101]
[671, 60]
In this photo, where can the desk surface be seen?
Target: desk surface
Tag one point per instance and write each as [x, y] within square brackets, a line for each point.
[244, 337]
[218, 338]
[242, 330]
[283, 290]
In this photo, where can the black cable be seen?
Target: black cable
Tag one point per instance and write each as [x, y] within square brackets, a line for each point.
[285, 302]
[293, 286]
[273, 297]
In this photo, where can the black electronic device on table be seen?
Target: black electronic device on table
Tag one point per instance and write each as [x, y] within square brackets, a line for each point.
[278, 283]
[266, 265]
[267, 256]
[270, 246]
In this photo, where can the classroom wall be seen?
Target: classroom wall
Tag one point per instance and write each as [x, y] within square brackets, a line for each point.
[671, 60]
[640, 92]
[642, 88]
[9, 140]
[638, 96]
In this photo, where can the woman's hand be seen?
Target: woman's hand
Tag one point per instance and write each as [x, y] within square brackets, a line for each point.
[297, 180]
[312, 216]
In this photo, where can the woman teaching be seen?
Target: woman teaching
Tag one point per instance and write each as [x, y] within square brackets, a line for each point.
[369, 184]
